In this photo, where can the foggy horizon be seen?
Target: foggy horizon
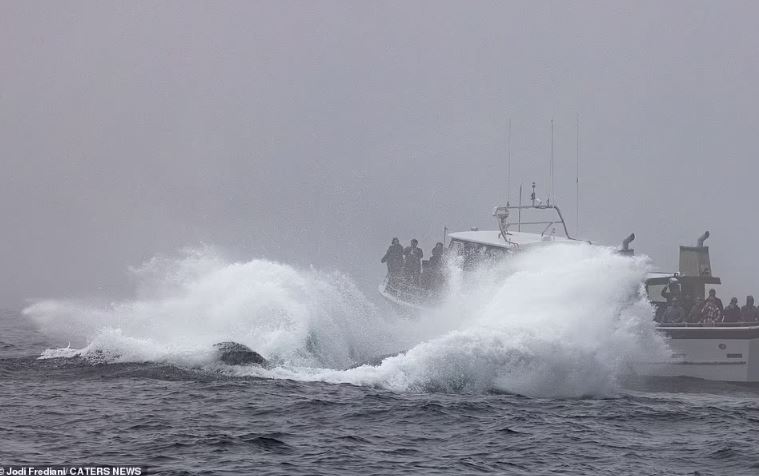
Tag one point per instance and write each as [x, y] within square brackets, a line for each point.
[197, 203]
[312, 133]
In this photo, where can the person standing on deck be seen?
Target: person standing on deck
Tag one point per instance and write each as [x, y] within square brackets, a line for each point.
[432, 275]
[749, 312]
[412, 266]
[436, 260]
[674, 314]
[717, 301]
[732, 312]
[394, 259]
[710, 311]
[695, 315]
[671, 290]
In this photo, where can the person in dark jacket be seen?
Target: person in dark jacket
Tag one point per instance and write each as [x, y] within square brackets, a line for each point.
[695, 315]
[674, 313]
[732, 312]
[436, 261]
[749, 312]
[717, 301]
[394, 259]
[671, 290]
[412, 266]
[432, 274]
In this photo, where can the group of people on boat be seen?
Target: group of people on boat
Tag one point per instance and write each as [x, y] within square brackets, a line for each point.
[407, 271]
[681, 309]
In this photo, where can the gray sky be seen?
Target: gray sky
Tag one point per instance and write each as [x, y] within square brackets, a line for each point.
[312, 132]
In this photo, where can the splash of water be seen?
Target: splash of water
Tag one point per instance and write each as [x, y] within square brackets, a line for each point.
[564, 320]
[184, 306]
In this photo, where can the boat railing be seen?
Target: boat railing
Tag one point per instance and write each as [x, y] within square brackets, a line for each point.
[711, 324]
[507, 222]
[404, 291]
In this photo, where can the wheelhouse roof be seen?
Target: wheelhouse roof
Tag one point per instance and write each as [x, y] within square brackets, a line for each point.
[661, 278]
[515, 238]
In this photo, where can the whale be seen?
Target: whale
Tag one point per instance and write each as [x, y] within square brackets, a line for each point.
[234, 353]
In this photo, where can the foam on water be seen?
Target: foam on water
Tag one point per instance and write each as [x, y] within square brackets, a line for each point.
[565, 320]
[184, 306]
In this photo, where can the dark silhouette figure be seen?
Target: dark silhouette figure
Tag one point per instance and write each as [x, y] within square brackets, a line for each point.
[394, 259]
[671, 290]
[717, 301]
[674, 313]
[437, 255]
[412, 266]
[749, 312]
[432, 274]
[695, 315]
[732, 312]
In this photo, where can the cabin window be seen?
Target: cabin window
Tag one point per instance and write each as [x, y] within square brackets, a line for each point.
[654, 293]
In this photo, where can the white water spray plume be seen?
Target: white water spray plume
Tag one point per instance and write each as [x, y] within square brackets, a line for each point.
[564, 320]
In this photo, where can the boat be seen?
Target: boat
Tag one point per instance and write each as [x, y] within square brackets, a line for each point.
[712, 351]
[475, 246]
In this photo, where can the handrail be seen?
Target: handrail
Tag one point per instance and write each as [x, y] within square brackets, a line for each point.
[542, 233]
[507, 224]
[712, 325]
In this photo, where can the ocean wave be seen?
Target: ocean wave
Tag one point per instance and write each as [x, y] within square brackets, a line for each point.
[564, 320]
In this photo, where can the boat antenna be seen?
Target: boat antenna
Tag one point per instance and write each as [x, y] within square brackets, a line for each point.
[508, 165]
[519, 210]
[552, 195]
[577, 178]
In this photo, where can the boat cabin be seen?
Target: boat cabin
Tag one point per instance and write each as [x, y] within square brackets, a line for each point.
[520, 227]
[690, 283]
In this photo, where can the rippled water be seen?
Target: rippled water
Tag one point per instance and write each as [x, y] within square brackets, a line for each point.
[191, 421]
[521, 369]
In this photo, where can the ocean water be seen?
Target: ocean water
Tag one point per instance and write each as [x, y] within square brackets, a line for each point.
[525, 368]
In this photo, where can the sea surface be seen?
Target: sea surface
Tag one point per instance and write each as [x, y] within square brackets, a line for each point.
[538, 386]
[176, 420]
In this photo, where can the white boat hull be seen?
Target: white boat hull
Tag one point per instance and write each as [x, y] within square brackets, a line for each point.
[728, 354]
